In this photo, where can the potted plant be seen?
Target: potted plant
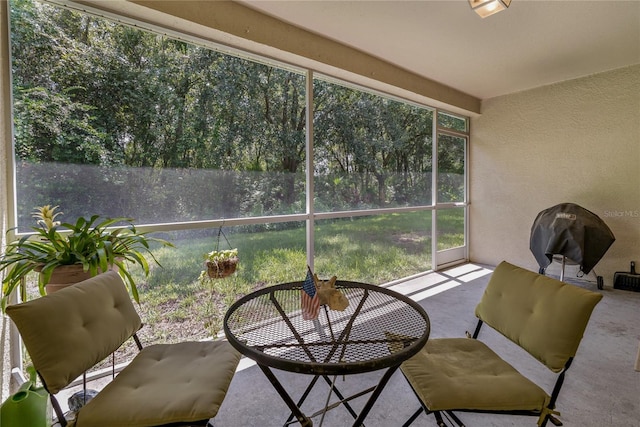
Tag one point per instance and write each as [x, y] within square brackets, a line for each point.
[88, 244]
[221, 263]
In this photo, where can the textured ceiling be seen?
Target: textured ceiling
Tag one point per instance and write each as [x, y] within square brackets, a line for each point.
[533, 43]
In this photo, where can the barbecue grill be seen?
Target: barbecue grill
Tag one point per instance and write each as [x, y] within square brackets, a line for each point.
[572, 234]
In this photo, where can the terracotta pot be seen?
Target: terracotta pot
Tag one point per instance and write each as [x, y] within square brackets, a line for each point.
[67, 275]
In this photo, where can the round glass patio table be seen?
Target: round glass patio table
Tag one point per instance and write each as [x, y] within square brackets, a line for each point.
[379, 329]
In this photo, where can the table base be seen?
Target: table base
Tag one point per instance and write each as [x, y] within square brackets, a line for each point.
[305, 421]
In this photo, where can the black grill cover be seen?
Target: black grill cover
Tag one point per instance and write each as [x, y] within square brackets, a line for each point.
[570, 230]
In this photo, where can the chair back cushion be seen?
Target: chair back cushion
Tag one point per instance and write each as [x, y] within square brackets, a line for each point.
[544, 316]
[69, 331]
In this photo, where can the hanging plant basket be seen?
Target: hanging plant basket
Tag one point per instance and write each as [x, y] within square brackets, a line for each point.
[221, 263]
[218, 269]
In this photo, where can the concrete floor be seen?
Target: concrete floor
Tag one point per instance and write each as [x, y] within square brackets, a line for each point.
[601, 389]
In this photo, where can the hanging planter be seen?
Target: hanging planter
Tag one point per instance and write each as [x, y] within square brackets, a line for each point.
[221, 263]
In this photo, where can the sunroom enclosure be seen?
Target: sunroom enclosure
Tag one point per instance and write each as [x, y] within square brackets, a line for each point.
[190, 138]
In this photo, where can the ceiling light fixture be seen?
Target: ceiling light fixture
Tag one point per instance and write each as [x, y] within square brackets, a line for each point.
[486, 8]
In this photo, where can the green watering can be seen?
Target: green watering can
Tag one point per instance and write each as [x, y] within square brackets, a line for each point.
[27, 407]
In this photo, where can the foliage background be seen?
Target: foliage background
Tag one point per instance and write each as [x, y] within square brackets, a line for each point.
[113, 120]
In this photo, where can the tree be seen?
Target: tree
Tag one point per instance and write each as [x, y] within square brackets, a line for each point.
[196, 133]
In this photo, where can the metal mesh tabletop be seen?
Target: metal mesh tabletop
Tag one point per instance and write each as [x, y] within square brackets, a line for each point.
[379, 328]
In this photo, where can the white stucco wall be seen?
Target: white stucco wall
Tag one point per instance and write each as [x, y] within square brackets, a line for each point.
[576, 141]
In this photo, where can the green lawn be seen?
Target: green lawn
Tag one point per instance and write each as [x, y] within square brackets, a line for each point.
[377, 249]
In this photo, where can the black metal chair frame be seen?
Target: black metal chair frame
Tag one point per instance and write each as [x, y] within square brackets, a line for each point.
[550, 407]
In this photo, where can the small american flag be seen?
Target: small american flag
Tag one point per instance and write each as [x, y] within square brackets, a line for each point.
[309, 301]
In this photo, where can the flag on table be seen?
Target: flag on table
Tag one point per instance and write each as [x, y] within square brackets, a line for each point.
[309, 301]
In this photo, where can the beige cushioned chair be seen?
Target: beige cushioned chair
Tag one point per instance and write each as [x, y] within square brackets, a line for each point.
[545, 317]
[71, 330]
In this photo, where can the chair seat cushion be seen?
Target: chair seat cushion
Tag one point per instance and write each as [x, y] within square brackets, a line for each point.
[465, 374]
[165, 383]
